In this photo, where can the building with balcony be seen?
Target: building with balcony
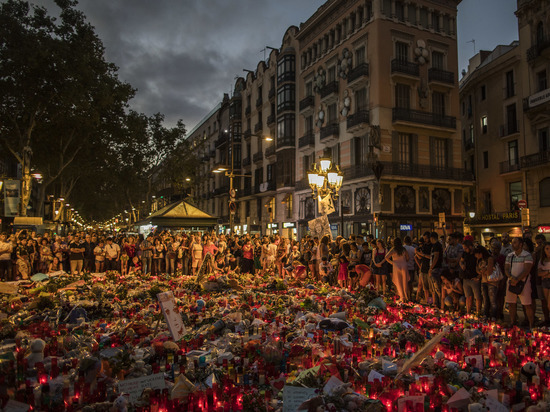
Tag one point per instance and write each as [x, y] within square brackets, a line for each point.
[505, 118]
[377, 85]
[368, 82]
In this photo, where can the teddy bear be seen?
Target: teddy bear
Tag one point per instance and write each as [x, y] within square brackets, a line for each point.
[479, 379]
[121, 403]
[37, 352]
[476, 407]
[542, 406]
[528, 371]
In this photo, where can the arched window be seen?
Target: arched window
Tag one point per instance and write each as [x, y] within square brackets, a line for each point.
[544, 192]
[540, 33]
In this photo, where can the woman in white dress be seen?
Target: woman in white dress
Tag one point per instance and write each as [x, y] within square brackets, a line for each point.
[398, 258]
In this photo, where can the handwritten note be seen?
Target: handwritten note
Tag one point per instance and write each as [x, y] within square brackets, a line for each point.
[172, 315]
[134, 387]
[294, 396]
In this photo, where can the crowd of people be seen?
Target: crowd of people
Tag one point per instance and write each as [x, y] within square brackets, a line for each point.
[451, 272]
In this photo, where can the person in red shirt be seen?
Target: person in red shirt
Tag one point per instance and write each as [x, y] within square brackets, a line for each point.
[209, 247]
[247, 262]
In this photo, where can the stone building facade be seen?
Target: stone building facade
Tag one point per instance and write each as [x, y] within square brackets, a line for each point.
[505, 116]
[370, 83]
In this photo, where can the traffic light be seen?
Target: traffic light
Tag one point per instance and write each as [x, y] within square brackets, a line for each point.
[375, 218]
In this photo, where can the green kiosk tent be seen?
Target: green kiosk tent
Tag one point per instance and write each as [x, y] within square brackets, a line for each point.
[178, 215]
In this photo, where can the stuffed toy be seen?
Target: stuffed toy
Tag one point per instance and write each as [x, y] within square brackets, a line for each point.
[37, 352]
[528, 371]
[476, 407]
[121, 403]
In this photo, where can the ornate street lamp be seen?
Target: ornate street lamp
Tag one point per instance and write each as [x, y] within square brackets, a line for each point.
[325, 179]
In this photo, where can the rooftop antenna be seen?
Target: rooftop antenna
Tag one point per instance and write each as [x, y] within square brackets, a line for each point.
[473, 41]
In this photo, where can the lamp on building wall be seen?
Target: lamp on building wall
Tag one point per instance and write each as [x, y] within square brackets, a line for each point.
[325, 179]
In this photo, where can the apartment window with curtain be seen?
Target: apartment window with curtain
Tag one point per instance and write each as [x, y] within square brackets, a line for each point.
[331, 74]
[400, 11]
[361, 99]
[510, 88]
[402, 96]
[511, 119]
[544, 192]
[437, 60]
[439, 153]
[487, 202]
[542, 83]
[544, 141]
[286, 96]
[332, 112]
[484, 124]
[360, 55]
[401, 51]
[405, 149]
[286, 68]
[309, 89]
[309, 124]
[438, 103]
[515, 195]
[513, 153]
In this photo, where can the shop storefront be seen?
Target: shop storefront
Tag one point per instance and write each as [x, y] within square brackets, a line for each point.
[486, 226]
[272, 229]
[289, 230]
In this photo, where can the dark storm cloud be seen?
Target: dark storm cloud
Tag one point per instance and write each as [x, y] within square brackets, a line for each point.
[183, 55]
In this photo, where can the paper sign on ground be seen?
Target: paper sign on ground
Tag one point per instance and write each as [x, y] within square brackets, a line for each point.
[134, 387]
[475, 361]
[415, 400]
[373, 375]
[332, 383]
[172, 315]
[294, 396]
[495, 406]
[14, 406]
[460, 399]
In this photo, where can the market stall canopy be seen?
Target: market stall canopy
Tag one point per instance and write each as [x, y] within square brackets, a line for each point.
[179, 214]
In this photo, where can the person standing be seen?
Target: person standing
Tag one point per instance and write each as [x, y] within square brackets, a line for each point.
[436, 265]
[470, 278]
[112, 255]
[398, 257]
[517, 268]
[379, 266]
[410, 264]
[99, 253]
[247, 263]
[76, 255]
[196, 253]
[89, 257]
[423, 254]
[544, 271]
[146, 247]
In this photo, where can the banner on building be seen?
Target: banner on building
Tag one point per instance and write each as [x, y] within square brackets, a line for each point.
[12, 195]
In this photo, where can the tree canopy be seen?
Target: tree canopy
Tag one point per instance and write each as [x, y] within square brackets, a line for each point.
[65, 113]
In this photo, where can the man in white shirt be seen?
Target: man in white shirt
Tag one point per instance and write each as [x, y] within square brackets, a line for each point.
[518, 268]
[112, 255]
[5, 257]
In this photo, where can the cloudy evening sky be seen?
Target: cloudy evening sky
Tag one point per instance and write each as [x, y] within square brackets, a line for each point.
[182, 55]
